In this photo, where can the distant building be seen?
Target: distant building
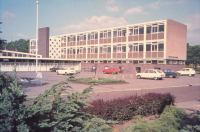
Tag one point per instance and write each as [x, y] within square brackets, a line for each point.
[132, 47]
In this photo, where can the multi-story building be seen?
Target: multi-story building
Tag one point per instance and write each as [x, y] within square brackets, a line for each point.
[144, 45]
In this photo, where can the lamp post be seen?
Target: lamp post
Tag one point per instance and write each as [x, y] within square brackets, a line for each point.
[37, 39]
[38, 75]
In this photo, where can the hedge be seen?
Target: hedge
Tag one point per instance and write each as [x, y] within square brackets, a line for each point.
[127, 107]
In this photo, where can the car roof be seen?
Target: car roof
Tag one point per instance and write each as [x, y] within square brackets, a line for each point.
[152, 69]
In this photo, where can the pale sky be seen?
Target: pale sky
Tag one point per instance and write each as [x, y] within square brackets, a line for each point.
[18, 17]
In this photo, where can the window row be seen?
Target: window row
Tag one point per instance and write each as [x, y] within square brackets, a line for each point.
[119, 32]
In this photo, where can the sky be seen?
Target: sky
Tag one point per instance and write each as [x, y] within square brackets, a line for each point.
[18, 17]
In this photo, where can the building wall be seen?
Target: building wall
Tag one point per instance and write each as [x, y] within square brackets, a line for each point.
[130, 68]
[55, 47]
[176, 40]
[43, 42]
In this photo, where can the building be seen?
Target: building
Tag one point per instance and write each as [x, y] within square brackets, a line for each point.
[131, 48]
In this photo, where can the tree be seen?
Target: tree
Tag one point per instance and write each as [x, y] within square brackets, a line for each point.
[21, 45]
[193, 55]
[2, 45]
[49, 112]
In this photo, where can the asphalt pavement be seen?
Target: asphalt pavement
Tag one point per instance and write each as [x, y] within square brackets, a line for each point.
[186, 89]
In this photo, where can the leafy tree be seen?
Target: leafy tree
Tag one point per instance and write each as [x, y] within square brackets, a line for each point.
[49, 112]
[193, 55]
[2, 45]
[21, 45]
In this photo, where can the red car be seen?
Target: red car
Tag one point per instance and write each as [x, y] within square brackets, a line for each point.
[110, 70]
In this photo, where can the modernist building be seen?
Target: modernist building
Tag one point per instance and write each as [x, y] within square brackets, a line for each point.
[137, 46]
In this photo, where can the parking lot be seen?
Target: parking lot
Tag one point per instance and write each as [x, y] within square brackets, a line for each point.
[134, 84]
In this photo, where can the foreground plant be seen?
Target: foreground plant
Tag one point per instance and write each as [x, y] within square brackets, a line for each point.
[171, 120]
[48, 112]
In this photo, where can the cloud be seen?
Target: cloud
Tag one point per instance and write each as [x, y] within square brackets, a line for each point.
[193, 22]
[193, 39]
[155, 5]
[93, 23]
[136, 10]
[158, 4]
[23, 36]
[112, 9]
[111, 1]
[8, 15]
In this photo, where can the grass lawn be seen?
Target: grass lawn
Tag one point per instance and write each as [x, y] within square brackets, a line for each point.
[100, 80]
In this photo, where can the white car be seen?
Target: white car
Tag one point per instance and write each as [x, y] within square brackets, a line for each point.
[151, 73]
[187, 71]
[65, 71]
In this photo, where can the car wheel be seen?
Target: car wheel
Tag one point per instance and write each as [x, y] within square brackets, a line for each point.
[104, 72]
[155, 78]
[65, 73]
[138, 77]
[57, 73]
[170, 76]
[116, 72]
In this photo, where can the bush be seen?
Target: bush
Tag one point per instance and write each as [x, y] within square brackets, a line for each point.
[127, 107]
[171, 120]
[100, 80]
[49, 112]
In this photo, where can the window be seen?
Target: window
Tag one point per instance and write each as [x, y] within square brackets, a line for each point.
[154, 29]
[123, 48]
[96, 35]
[160, 62]
[154, 46]
[130, 31]
[135, 47]
[141, 47]
[109, 49]
[148, 29]
[148, 62]
[161, 47]
[130, 46]
[92, 35]
[141, 62]
[148, 47]
[96, 49]
[119, 48]
[114, 48]
[154, 61]
[161, 28]
[141, 30]
[146, 71]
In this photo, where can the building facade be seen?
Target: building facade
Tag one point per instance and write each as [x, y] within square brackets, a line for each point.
[131, 47]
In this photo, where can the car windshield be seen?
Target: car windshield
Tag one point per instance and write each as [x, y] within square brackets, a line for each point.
[159, 71]
[171, 70]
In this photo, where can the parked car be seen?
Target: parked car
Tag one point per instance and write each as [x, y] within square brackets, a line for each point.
[170, 73]
[151, 73]
[65, 71]
[187, 71]
[53, 69]
[110, 70]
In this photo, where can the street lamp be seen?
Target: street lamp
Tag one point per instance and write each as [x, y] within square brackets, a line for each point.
[38, 75]
[37, 39]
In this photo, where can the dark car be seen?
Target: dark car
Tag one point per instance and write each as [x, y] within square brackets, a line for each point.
[170, 73]
[53, 69]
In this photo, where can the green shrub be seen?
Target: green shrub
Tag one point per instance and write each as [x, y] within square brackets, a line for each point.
[100, 80]
[170, 120]
[49, 112]
[127, 107]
